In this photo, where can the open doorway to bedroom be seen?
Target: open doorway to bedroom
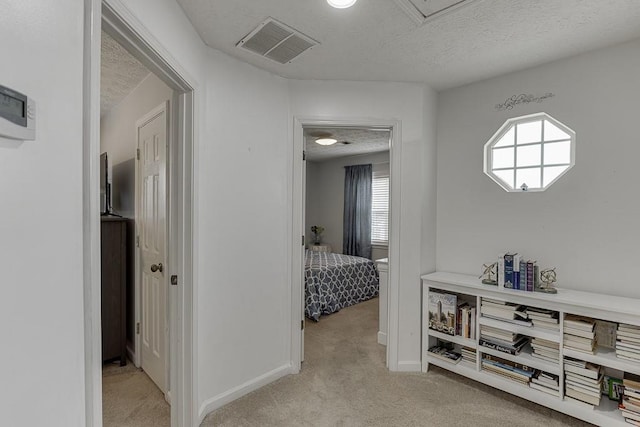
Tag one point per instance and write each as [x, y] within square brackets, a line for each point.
[347, 179]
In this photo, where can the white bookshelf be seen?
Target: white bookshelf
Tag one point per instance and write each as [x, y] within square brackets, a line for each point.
[597, 306]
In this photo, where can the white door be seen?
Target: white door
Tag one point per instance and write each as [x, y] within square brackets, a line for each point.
[304, 231]
[151, 222]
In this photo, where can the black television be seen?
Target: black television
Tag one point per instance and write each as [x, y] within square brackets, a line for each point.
[105, 186]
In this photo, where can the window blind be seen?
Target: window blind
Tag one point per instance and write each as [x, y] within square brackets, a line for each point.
[380, 208]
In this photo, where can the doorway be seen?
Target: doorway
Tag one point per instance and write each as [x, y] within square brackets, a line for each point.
[178, 267]
[300, 228]
[346, 215]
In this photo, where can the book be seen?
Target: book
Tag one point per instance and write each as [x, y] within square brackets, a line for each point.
[631, 380]
[628, 346]
[505, 348]
[522, 277]
[544, 388]
[630, 415]
[530, 275]
[579, 402]
[570, 385]
[592, 382]
[501, 271]
[579, 333]
[629, 328]
[576, 394]
[606, 333]
[590, 370]
[442, 312]
[508, 270]
[628, 404]
[444, 353]
[579, 322]
[612, 387]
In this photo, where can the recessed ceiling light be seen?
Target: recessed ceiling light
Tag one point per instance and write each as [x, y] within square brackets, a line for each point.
[326, 141]
[341, 4]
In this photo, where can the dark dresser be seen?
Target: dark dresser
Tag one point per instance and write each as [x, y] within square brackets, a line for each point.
[114, 288]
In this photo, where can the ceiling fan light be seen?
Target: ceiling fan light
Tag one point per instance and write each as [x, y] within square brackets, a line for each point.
[341, 4]
[326, 141]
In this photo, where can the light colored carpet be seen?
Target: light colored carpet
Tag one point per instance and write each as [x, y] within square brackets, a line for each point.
[344, 382]
[131, 399]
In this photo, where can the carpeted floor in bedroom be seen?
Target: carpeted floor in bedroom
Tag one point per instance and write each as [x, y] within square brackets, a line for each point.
[344, 382]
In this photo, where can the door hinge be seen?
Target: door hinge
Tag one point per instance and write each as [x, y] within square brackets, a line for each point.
[138, 153]
[302, 325]
[138, 241]
[138, 328]
[174, 279]
[303, 240]
[304, 155]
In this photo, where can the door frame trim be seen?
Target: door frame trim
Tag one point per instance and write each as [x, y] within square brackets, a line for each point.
[297, 228]
[127, 29]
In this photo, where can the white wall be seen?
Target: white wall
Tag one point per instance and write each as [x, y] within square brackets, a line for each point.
[241, 206]
[412, 104]
[325, 197]
[118, 138]
[244, 298]
[586, 224]
[41, 308]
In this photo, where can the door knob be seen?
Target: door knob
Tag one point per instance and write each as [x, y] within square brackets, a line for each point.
[156, 267]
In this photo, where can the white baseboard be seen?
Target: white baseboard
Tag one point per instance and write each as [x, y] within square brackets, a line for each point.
[222, 399]
[410, 366]
[382, 338]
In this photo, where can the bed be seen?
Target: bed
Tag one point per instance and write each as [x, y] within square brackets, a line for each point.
[334, 281]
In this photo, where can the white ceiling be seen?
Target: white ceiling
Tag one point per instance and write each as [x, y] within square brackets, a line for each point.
[351, 142]
[375, 40]
[120, 73]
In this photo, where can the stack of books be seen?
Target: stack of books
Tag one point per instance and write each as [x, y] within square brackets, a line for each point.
[545, 350]
[468, 354]
[542, 318]
[505, 311]
[514, 272]
[579, 333]
[546, 382]
[507, 369]
[583, 381]
[630, 402]
[501, 340]
[446, 353]
[628, 342]
[466, 321]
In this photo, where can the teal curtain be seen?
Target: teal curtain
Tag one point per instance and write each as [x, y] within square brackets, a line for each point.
[356, 239]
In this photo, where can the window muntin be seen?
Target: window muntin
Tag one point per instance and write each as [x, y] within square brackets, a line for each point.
[529, 153]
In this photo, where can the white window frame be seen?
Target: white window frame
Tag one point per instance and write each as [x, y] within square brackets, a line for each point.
[378, 175]
[512, 123]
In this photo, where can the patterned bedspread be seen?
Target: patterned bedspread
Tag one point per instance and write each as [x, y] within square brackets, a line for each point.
[334, 281]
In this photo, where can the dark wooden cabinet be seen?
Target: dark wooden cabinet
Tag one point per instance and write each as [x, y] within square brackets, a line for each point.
[114, 288]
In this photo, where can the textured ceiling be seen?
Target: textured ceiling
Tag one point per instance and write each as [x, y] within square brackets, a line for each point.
[360, 141]
[120, 73]
[376, 40]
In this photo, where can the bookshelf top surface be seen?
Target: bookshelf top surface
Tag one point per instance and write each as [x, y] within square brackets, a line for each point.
[630, 306]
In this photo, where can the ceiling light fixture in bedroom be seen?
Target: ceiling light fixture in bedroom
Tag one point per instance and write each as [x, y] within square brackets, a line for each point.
[326, 141]
[341, 4]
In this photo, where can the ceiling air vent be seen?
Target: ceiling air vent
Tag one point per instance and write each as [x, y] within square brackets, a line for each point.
[422, 11]
[276, 41]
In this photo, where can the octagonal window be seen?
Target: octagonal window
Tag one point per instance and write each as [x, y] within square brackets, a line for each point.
[529, 153]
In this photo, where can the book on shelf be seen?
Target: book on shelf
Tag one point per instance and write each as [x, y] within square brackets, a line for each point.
[634, 329]
[579, 322]
[586, 398]
[587, 390]
[503, 346]
[442, 312]
[501, 271]
[630, 415]
[627, 346]
[581, 379]
[612, 387]
[468, 354]
[579, 333]
[444, 353]
[578, 402]
[631, 380]
[606, 333]
[586, 369]
[545, 389]
[508, 270]
[508, 368]
[629, 404]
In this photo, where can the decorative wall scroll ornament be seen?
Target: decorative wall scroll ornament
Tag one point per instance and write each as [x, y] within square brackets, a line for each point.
[489, 273]
[516, 100]
[548, 279]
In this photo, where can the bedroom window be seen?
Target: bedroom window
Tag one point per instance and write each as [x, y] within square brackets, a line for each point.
[380, 208]
[529, 153]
